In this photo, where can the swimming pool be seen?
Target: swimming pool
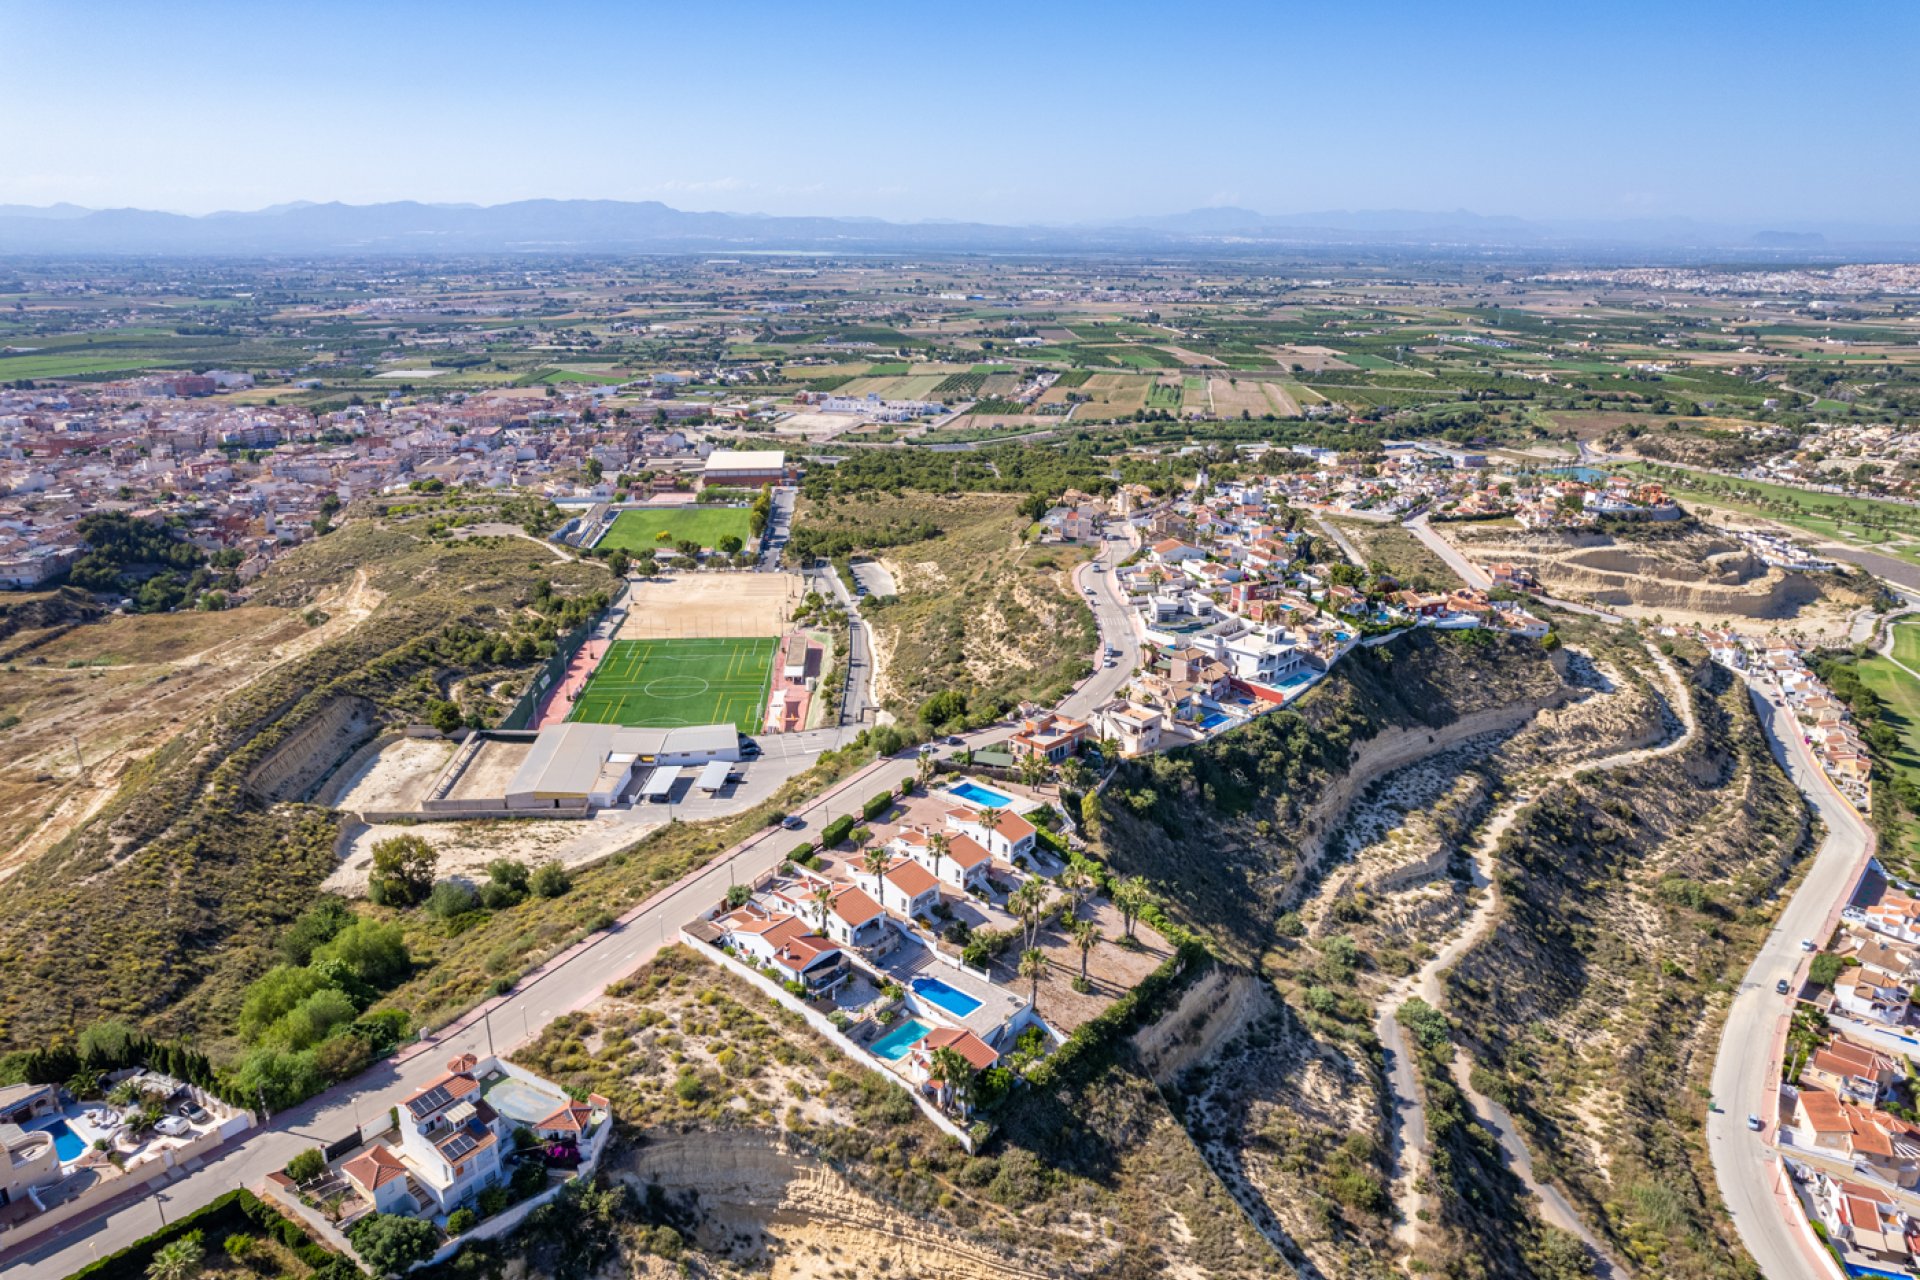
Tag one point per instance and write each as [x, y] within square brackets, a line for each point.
[952, 999]
[67, 1144]
[978, 796]
[893, 1046]
[1214, 720]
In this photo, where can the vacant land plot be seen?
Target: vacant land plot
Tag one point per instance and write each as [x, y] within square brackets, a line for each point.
[1311, 359]
[1232, 397]
[1283, 403]
[1164, 395]
[642, 530]
[711, 604]
[919, 386]
[662, 683]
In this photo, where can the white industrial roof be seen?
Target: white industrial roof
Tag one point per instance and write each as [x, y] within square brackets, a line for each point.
[747, 460]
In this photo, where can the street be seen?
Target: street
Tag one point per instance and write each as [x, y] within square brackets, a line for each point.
[571, 980]
[1746, 1073]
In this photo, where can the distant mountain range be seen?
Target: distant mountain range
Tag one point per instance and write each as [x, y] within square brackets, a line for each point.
[616, 226]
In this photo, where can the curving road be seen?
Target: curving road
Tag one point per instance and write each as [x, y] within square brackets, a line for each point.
[1746, 1071]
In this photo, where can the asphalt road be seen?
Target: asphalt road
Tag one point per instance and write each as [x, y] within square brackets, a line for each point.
[1746, 1072]
[1117, 630]
[571, 981]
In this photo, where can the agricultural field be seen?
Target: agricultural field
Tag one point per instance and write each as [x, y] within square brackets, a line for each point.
[1164, 395]
[649, 529]
[663, 683]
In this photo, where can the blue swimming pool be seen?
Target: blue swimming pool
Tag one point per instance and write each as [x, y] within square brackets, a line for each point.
[980, 797]
[67, 1144]
[893, 1046]
[954, 1001]
[1214, 720]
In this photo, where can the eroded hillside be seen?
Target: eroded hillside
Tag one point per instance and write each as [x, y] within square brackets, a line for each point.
[154, 898]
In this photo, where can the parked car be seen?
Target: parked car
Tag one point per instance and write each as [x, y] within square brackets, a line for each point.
[1807, 944]
[1782, 986]
[1753, 1123]
[928, 748]
[955, 740]
[792, 821]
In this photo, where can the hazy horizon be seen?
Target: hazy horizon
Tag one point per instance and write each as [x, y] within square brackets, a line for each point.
[995, 114]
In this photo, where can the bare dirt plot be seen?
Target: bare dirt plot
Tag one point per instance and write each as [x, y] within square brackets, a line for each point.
[1231, 398]
[1190, 357]
[1283, 404]
[465, 848]
[1312, 359]
[711, 604]
[815, 426]
[491, 769]
[395, 777]
[1115, 393]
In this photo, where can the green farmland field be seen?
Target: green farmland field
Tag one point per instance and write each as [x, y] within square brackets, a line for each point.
[70, 366]
[664, 683]
[640, 530]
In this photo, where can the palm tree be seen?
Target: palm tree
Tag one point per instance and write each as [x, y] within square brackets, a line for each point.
[1033, 967]
[177, 1260]
[989, 819]
[1130, 898]
[937, 846]
[1033, 769]
[1028, 905]
[875, 860]
[1086, 936]
[84, 1084]
[924, 769]
[1076, 882]
[954, 1074]
[822, 897]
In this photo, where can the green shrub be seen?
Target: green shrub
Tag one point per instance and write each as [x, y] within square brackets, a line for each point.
[877, 805]
[461, 1221]
[836, 831]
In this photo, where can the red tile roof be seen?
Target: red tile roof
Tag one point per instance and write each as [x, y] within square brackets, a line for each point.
[976, 1051]
[910, 878]
[374, 1167]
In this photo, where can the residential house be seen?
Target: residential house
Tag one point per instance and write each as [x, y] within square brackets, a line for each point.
[20, 1103]
[1011, 836]
[1049, 736]
[905, 888]
[788, 942]
[964, 865]
[1862, 1216]
[1135, 728]
[1850, 1071]
[450, 1139]
[978, 1054]
[1886, 1145]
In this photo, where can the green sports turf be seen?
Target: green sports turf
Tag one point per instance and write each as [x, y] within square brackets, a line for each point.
[639, 530]
[664, 683]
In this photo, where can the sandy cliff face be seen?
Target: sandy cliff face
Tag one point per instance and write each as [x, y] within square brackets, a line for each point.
[769, 1205]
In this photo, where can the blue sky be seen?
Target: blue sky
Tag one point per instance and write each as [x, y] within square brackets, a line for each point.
[1003, 112]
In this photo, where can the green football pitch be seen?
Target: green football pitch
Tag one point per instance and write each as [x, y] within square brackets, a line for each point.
[640, 530]
[664, 683]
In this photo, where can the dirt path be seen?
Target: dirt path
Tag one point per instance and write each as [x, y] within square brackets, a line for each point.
[1410, 1142]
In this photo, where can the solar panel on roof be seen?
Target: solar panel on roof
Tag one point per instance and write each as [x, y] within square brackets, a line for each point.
[459, 1145]
[430, 1101]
